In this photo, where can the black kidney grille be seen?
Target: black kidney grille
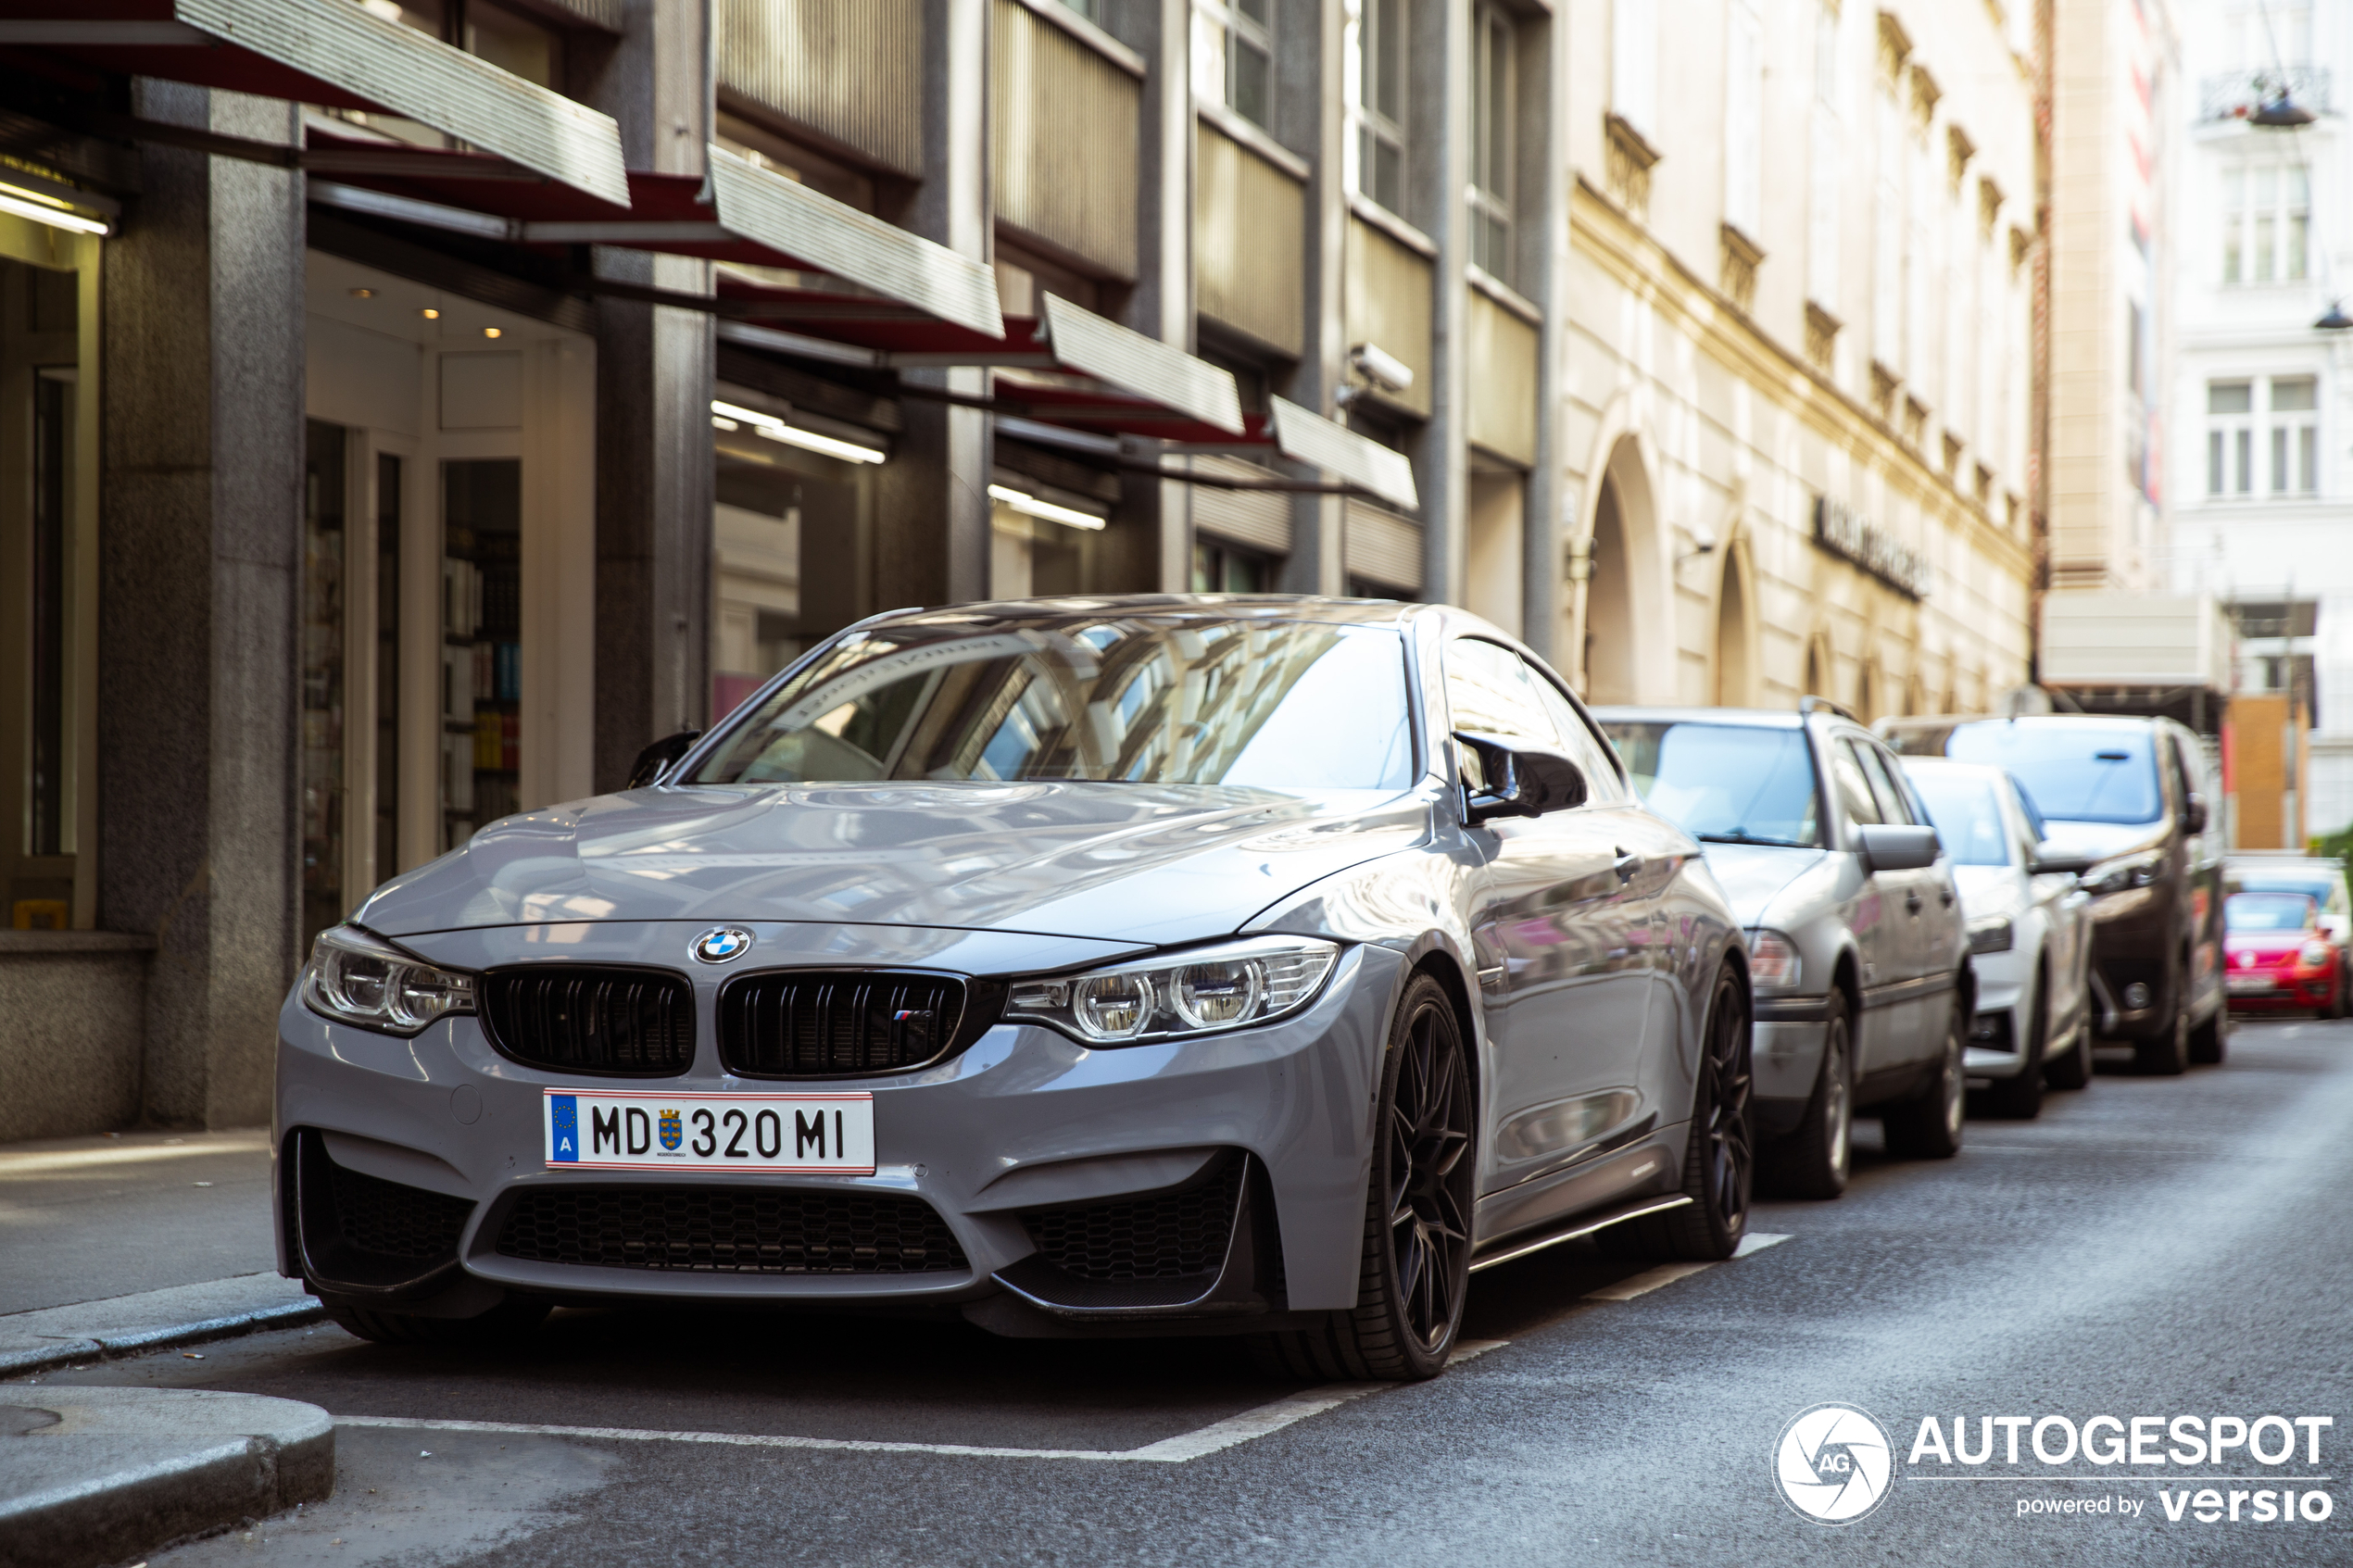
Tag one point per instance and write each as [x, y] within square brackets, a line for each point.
[806, 1023]
[397, 1220]
[731, 1230]
[1166, 1237]
[622, 1023]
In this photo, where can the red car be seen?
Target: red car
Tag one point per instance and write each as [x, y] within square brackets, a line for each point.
[2277, 954]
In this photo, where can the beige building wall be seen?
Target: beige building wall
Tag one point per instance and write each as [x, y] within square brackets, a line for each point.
[1798, 285]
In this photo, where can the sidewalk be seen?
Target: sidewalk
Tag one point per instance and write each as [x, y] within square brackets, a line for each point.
[118, 1245]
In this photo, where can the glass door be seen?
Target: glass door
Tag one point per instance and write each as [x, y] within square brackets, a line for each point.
[324, 630]
[481, 643]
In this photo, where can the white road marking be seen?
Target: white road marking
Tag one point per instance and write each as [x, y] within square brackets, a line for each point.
[1210, 1439]
[1667, 1273]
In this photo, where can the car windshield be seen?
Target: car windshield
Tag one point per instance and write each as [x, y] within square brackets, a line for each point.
[1967, 814]
[1136, 698]
[2267, 911]
[2075, 774]
[2314, 884]
[1724, 784]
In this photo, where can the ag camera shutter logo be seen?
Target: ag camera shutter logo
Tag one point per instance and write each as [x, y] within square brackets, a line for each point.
[1834, 1463]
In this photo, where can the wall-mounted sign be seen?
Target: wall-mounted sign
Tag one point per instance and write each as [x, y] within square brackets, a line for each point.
[1840, 530]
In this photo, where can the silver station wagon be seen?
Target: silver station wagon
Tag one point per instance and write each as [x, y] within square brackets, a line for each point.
[1175, 965]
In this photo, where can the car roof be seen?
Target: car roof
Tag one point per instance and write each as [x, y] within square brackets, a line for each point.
[1744, 718]
[1992, 772]
[1219, 607]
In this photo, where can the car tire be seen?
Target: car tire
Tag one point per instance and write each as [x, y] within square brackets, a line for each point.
[1414, 1269]
[2168, 1055]
[509, 1320]
[2207, 1042]
[1719, 1158]
[1814, 1161]
[2073, 1071]
[1928, 1127]
[2019, 1097]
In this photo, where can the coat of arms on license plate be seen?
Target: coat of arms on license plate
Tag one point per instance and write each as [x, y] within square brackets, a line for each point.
[672, 1129]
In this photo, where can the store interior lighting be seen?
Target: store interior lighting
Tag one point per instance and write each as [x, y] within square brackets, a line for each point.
[1030, 505]
[732, 416]
[22, 203]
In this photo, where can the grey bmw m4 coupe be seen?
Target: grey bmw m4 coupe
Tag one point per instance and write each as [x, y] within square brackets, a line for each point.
[1261, 966]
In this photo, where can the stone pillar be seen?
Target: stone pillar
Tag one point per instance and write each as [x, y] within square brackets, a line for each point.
[1543, 191]
[653, 412]
[931, 523]
[200, 589]
[1315, 91]
[1439, 76]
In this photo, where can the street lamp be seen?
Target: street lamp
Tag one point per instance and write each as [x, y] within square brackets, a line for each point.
[2333, 320]
[2282, 113]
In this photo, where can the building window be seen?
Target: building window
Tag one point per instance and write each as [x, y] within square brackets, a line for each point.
[1377, 101]
[2266, 223]
[2295, 435]
[1220, 568]
[2230, 437]
[1234, 56]
[1492, 126]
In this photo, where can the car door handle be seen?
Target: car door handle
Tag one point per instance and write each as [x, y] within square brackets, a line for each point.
[1945, 896]
[1626, 865]
[1912, 902]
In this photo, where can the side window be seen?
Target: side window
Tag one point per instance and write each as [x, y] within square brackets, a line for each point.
[1896, 801]
[1580, 745]
[1488, 690]
[1853, 787]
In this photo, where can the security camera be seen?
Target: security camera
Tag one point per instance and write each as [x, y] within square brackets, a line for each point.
[1385, 370]
[1703, 543]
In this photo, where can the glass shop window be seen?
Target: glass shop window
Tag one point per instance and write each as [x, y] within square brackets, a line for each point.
[481, 643]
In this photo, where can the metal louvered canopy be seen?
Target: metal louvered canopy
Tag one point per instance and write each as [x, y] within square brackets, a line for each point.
[1308, 437]
[334, 52]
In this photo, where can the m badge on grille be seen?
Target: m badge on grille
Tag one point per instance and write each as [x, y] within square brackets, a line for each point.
[722, 944]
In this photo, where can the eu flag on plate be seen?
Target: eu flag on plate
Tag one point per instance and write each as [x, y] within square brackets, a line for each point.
[563, 1128]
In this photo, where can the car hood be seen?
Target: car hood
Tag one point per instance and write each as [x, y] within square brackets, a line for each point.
[1988, 890]
[2105, 840]
[1751, 874]
[1137, 862]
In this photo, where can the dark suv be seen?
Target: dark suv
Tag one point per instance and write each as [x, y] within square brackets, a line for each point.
[2124, 793]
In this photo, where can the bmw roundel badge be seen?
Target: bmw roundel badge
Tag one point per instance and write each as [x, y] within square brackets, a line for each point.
[723, 943]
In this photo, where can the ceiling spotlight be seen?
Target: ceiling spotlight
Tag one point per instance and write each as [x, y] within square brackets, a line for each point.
[2333, 320]
[490, 332]
[430, 314]
[363, 294]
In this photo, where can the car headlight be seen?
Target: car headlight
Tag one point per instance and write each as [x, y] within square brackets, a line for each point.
[355, 978]
[2313, 955]
[1227, 987]
[2132, 871]
[1774, 964]
[1991, 933]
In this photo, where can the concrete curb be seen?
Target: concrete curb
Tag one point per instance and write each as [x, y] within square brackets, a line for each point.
[118, 1472]
[113, 1347]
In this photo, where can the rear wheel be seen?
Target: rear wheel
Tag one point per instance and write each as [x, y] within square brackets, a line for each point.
[510, 1320]
[1414, 1268]
[2022, 1097]
[1929, 1125]
[1813, 1160]
[1719, 1157]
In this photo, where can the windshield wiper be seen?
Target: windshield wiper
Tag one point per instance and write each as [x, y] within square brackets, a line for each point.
[1739, 836]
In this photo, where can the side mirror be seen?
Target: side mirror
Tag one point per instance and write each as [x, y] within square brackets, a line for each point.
[2193, 814]
[2060, 861]
[655, 759]
[1896, 846]
[1521, 781]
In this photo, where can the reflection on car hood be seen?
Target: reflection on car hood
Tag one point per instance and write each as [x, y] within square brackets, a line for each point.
[1141, 862]
[1753, 873]
[2103, 839]
[1987, 890]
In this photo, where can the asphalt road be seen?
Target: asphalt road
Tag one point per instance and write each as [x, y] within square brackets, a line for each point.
[2147, 1247]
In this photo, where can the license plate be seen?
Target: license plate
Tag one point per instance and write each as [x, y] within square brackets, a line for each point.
[625, 1130]
[2240, 984]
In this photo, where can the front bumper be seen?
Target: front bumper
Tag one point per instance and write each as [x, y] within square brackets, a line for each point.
[1998, 1035]
[1023, 1122]
[2291, 991]
[1785, 1059]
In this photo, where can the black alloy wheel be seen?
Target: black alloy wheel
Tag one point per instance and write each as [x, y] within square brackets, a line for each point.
[1719, 1158]
[1414, 1268]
